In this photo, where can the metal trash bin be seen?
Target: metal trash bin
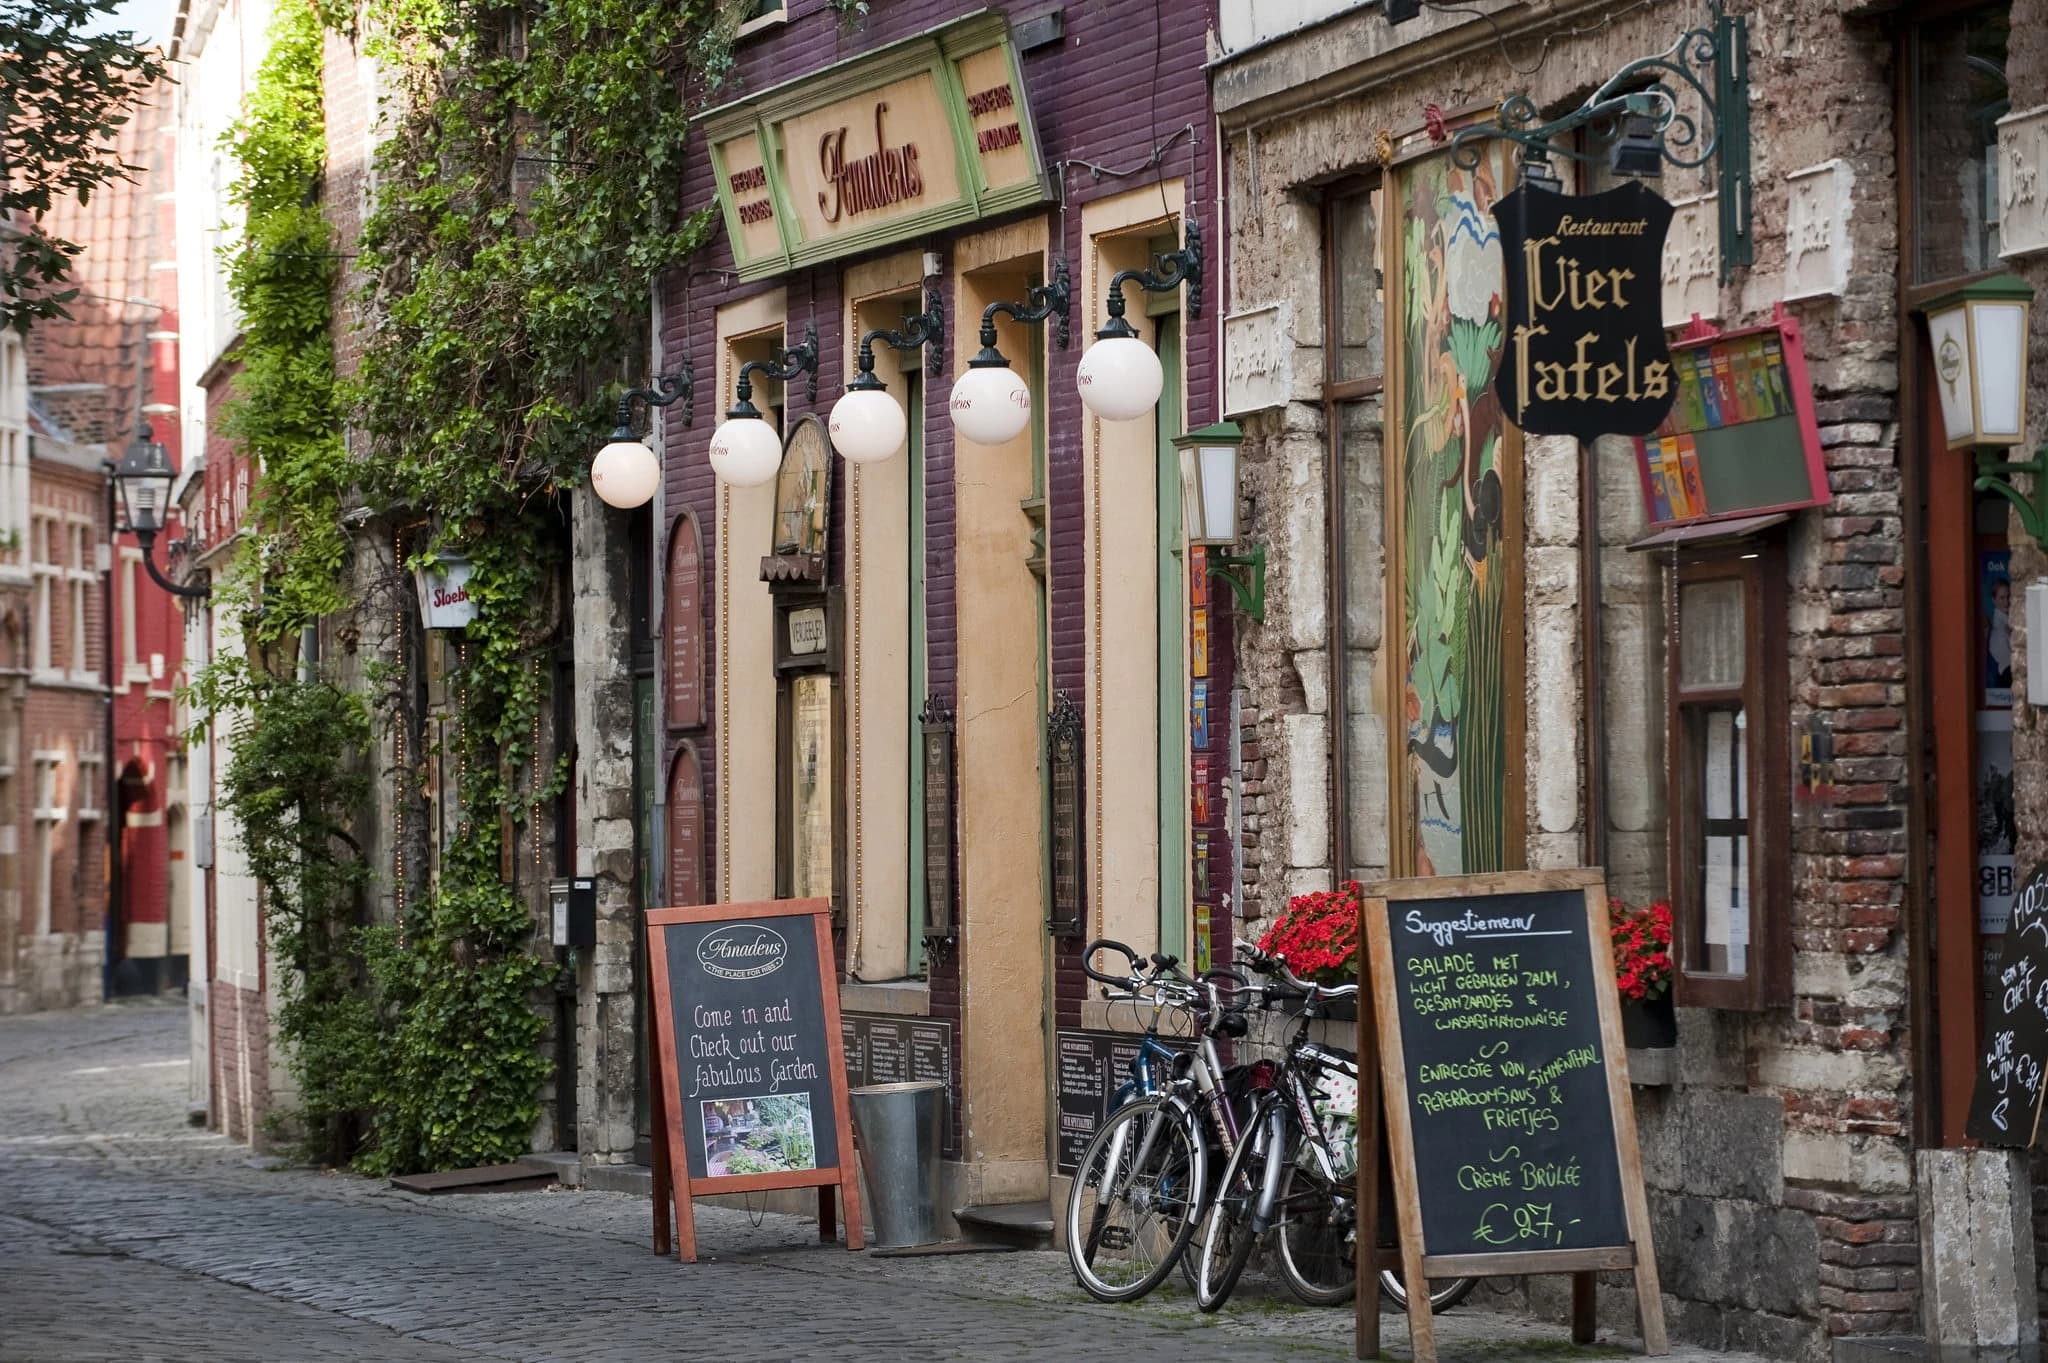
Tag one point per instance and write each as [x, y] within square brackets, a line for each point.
[901, 1129]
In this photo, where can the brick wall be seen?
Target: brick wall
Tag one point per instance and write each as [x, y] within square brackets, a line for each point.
[239, 1096]
[1094, 101]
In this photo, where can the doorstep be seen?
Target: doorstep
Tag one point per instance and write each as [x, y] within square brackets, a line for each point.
[1025, 1225]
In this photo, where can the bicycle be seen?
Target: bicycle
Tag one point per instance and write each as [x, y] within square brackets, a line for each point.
[1295, 1172]
[1143, 1180]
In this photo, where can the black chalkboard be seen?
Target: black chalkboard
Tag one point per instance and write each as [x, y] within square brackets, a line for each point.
[751, 1067]
[881, 1049]
[1091, 1068]
[753, 1063]
[2005, 1109]
[1506, 1074]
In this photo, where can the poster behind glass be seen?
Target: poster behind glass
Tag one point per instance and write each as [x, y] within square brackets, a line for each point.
[1996, 820]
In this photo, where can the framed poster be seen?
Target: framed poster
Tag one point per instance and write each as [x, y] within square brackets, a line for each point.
[1454, 525]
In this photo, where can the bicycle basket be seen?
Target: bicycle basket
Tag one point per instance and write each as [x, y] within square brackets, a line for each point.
[1336, 1102]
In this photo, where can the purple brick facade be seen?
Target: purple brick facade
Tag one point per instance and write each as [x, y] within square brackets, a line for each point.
[1120, 101]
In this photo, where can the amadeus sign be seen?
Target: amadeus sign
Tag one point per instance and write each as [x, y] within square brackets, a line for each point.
[745, 951]
[1584, 352]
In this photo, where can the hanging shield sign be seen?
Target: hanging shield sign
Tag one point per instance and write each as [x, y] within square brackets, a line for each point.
[1585, 352]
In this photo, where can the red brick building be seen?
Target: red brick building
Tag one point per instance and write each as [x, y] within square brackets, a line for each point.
[104, 646]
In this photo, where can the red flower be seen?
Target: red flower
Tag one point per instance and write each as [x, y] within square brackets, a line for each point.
[1642, 948]
[1319, 934]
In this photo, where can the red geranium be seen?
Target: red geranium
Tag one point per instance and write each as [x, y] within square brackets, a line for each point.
[1319, 935]
[1642, 949]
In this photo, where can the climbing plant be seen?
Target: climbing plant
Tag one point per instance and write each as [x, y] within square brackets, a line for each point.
[528, 195]
[294, 781]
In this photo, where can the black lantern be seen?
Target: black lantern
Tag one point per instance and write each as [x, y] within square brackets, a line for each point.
[143, 479]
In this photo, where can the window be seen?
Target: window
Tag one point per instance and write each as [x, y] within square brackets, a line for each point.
[92, 785]
[79, 579]
[14, 502]
[762, 14]
[43, 545]
[1355, 300]
[1959, 89]
[49, 812]
[1729, 779]
[132, 666]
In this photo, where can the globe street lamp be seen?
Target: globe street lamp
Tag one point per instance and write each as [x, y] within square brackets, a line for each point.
[745, 450]
[626, 472]
[1120, 377]
[867, 424]
[991, 402]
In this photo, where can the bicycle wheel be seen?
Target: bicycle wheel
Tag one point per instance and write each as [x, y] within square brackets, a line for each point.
[1316, 1227]
[1444, 1293]
[1227, 1237]
[1136, 1199]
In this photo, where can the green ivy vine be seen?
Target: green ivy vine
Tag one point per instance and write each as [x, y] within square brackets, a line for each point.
[527, 197]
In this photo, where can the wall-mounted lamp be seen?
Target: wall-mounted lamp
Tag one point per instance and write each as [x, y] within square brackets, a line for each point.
[867, 424]
[1978, 335]
[1639, 151]
[991, 402]
[1538, 173]
[1120, 377]
[1208, 507]
[626, 472]
[745, 450]
[143, 478]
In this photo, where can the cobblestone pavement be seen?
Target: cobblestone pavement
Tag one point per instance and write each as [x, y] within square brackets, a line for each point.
[127, 1235]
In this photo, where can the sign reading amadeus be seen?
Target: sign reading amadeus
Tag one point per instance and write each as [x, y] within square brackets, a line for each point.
[916, 136]
[1585, 352]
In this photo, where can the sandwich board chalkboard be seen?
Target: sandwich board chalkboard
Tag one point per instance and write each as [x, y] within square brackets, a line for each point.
[749, 1068]
[2005, 1109]
[1512, 1134]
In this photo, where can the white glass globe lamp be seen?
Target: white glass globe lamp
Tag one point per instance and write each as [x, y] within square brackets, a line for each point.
[867, 424]
[745, 450]
[1120, 377]
[625, 472]
[991, 402]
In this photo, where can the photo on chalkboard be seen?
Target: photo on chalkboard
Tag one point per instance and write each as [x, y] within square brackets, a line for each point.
[767, 1134]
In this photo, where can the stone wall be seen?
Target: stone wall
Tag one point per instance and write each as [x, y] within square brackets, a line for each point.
[1779, 1165]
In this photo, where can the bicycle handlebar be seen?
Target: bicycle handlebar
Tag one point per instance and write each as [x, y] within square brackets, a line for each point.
[1106, 944]
[1275, 964]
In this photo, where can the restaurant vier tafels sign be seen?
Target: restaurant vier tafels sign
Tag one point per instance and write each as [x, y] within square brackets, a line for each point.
[1584, 347]
[913, 137]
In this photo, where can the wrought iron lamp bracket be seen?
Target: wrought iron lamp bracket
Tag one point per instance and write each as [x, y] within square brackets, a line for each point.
[680, 386]
[801, 358]
[928, 328]
[1044, 302]
[1170, 270]
[1245, 575]
[1711, 63]
[1995, 475]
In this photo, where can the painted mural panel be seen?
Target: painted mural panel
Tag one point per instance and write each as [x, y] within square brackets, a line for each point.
[1454, 530]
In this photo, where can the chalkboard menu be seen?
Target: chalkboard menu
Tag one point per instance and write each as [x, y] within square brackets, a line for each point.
[2006, 1106]
[1091, 1067]
[881, 1049]
[1507, 1085]
[1513, 1141]
[752, 1067]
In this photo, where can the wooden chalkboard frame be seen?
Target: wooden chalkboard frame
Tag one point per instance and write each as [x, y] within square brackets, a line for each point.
[673, 1186]
[1384, 1016]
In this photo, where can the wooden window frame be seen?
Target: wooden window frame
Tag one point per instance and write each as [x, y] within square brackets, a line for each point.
[1760, 566]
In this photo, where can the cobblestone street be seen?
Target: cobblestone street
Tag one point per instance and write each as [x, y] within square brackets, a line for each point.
[126, 1234]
